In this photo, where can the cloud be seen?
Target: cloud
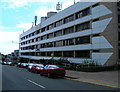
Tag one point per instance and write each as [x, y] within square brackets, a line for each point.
[25, 8]
[42, 11]
[6, 38]
[15, 3]
[25, 26]
[16, 10]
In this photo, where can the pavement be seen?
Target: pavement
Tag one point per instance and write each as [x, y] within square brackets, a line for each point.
[106, 78]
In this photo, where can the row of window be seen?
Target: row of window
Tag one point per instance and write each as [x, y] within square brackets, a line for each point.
[80, 27]
[70, 18]
[67, 42]
[75, 54]
[118, 18]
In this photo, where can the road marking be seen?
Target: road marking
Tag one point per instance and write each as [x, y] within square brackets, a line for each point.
[36, 84]
[93, 83]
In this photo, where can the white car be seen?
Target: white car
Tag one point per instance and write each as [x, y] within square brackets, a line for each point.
[30, 66]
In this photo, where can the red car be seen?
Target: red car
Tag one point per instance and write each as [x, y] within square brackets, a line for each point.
[23, 65]
[36, 68]
[53, 70]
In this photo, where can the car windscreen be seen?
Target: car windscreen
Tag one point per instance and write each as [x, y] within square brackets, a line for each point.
[53, 66]
[40, 65]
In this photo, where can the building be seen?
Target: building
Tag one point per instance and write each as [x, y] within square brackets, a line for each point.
[83, 31]
[13, 57]
[0, 56]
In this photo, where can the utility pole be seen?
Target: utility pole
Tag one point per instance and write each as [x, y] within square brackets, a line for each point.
[74, 1]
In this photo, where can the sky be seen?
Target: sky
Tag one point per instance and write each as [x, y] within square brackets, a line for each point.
[18, 15]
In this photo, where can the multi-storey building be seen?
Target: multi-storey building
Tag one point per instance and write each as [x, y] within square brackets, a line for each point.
[85, 30]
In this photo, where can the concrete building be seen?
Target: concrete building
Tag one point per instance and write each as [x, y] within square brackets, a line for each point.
[83, 31]
[13, 57]
[0, 56]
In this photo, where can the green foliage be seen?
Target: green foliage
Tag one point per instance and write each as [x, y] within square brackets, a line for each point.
[53, 61]
[90, 63]
[23, 60]
[12, 64]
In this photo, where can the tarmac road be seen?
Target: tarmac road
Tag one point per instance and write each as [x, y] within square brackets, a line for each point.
[14, 78]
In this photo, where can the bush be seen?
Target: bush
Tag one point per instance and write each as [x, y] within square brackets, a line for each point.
[12, 64]
[89, 63]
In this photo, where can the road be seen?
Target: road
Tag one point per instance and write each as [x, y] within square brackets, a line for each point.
[14, 78]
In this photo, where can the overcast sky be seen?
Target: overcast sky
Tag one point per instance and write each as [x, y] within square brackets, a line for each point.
[18, 15]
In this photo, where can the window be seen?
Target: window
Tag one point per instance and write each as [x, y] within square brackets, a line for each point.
[83, 13]
[38, 31]
[58, 43]
[34, 33]
[43, 53]
[38, 39]
[96, 20]
[68, 54]
[50, 44]
[50, 35]
[43, 45]
[82, 40]
[38, 54]
[27, 36]
[82, 54]
[43, 37]
[39, 46]
[118, 18]
[30, 35]
[119, 54]
[118, 4]
[43, 29]
[51, 26]
[58, 23]
[58, 33]
[83, 26]
[32, 40]
[96, 35]
[68, 30]
[118, 36]
[49, 53]
[68, 42]
[58, 54]
[68, 19]
[96, 50]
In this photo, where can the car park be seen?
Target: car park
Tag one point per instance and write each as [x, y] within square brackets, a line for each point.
[36, 68]
[53, 70]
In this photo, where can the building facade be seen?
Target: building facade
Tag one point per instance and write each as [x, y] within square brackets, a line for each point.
[83, 31]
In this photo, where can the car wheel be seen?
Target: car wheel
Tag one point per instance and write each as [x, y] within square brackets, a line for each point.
[48, 75]
[41, 74]
[62, 76]
[36, 71]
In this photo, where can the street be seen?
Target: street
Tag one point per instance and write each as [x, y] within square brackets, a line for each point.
[14, 78]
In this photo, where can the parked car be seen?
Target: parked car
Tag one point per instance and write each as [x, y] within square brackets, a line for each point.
[19, 65]
[23, 65]
[30, 66]
[4, 63]
[53, 70]
[36, 68]
[8, 63]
